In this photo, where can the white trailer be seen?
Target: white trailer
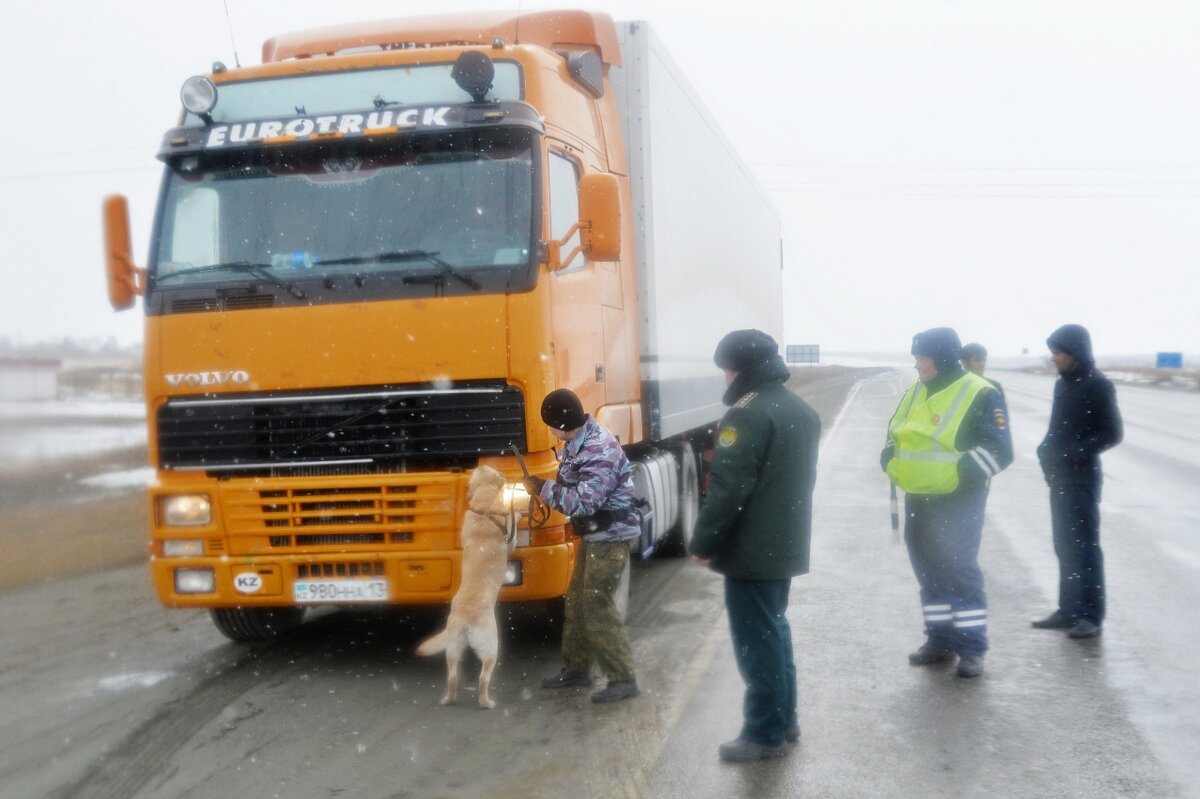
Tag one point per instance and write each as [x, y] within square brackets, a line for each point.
[709, 253]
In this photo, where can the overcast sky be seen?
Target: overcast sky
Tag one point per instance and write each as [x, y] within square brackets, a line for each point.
[1000, 167]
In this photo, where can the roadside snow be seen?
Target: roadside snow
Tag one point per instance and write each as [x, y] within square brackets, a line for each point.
[134, 478]
[67, 409]
[41, 432]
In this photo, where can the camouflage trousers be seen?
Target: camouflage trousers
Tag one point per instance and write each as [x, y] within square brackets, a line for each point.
[592, 627]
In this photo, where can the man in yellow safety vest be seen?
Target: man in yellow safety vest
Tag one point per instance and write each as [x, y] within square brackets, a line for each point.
[947, 439]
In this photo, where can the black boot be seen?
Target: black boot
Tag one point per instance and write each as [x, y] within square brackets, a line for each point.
[1055, 621]
[928, 654]
[567, 679]
[616, 691]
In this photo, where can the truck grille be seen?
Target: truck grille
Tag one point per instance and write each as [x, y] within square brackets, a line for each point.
[346, 515]
[312, 570]
[350, 432]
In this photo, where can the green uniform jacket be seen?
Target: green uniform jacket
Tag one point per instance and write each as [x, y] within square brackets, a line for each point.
[756, 520]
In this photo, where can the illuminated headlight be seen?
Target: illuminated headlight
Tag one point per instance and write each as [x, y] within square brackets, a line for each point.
[515, 494]
[183, 548]
[513, 573]
[186, 510]
[194, 581]
[199, 94]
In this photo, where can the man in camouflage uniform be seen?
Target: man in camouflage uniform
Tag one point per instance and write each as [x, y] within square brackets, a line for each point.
[754, 528]
[594, 487]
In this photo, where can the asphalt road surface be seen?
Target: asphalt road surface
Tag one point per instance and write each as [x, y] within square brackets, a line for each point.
[105, 694]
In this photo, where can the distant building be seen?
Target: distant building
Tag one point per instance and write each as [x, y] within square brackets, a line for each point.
[28, 378]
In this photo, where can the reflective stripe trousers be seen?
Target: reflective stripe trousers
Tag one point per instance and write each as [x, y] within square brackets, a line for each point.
[762, 646]
[943, 533]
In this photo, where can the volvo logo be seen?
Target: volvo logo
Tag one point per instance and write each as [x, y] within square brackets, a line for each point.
[237, 377]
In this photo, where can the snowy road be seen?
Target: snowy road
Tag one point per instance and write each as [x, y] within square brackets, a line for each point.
[108, 695]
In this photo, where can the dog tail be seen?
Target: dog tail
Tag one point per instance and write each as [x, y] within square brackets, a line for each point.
[433, 644]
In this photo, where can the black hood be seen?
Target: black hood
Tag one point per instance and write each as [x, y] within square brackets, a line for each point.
[1075, 341]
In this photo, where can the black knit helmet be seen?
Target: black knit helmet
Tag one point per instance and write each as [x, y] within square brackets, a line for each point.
[563, 410]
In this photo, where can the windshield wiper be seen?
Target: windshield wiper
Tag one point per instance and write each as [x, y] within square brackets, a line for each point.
[403, 256]
[262, 271]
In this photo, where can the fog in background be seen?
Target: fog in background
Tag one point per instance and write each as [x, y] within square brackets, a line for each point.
[998, 167]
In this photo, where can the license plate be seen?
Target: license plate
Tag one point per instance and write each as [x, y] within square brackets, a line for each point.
[340, 590]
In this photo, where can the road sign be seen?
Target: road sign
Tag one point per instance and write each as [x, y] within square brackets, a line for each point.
[803, 353]
[1170, 360]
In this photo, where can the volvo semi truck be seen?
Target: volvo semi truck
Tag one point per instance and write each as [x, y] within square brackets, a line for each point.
[373, 256]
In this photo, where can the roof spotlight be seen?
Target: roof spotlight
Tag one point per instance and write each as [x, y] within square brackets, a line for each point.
[473, 72]
[199, 95]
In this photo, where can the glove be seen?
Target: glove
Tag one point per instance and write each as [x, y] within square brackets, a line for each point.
[886, 456]
[533, 485]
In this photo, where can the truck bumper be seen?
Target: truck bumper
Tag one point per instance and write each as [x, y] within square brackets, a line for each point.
[408, 578]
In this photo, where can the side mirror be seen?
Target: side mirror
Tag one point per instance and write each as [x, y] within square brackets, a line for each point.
[599, 225]
[125, 279]
[600, 208]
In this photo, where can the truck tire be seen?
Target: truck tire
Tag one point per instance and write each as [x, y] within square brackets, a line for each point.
[256, 624]
[689, 503]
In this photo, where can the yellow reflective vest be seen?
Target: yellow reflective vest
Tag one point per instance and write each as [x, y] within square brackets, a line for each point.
[924, 430]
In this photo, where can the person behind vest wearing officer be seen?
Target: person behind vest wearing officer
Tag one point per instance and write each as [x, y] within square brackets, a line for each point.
[1084, 421]
[754, 528]
[947, 439]
[974, 360]
[594, 486]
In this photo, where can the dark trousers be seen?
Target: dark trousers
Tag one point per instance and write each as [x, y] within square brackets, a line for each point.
[762, 645]
[1075, 516]
[943, 532]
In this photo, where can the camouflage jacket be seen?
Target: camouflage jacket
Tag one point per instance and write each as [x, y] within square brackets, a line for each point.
[595, 475]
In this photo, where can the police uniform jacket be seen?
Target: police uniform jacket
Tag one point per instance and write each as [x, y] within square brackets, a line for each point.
[983, 438]
[756, 519]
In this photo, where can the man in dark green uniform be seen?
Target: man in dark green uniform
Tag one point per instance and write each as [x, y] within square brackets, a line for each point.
[754, 528]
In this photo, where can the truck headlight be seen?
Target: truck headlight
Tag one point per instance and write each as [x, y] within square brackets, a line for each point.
[186, 510]
[513, 573]
[183, 548]
[516, 495]
[194, 581]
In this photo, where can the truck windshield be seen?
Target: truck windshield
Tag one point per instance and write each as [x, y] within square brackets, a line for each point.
[452, 209]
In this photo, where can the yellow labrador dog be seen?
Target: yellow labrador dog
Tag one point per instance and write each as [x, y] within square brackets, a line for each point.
[472, 619]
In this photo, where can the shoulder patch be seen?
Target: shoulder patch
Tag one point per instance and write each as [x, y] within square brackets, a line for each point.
[746, 400]
[727, 437]
[999, 417]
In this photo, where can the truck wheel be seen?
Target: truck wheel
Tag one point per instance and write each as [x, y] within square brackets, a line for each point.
[689, 502]
[255, 624]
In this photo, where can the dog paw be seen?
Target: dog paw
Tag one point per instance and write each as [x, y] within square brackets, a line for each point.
[487, 704]
[446, 700]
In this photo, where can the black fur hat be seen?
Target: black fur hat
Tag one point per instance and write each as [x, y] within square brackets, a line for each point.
[742, 349]
[939, 343]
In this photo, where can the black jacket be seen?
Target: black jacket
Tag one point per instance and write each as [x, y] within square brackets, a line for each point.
[756, 519]
[1084, 420]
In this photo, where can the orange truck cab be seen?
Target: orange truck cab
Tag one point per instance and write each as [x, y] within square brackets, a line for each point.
[375, 253]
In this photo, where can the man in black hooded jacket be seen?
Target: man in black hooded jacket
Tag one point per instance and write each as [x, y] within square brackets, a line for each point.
[1084, 422]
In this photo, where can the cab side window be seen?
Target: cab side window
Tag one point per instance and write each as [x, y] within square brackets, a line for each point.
[564, 205]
